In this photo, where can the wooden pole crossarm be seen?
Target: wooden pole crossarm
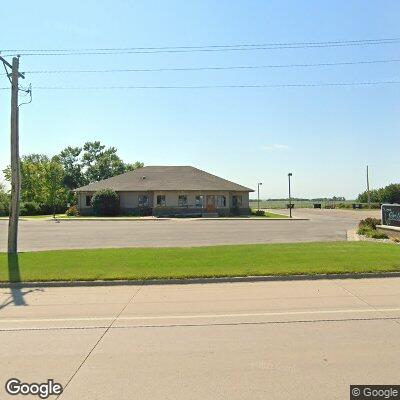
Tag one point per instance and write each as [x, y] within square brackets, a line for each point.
[20, 74]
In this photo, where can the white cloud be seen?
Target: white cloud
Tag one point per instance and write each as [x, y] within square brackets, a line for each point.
[272, 147]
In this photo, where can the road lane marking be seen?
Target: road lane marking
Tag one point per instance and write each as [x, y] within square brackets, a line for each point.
[197, 316]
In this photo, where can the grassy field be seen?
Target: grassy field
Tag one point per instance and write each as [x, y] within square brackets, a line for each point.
[280, 204]
[216, 261]
[271, 204]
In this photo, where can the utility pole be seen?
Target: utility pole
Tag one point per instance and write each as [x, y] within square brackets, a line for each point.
[368, 192]
[15, 164]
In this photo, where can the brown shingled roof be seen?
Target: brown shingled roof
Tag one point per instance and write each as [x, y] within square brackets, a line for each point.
[161, 178]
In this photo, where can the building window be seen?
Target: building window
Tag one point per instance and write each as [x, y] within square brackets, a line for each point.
[199, 201]
[182, 200]
[143, 200]
[221, 201]
[88, 201]
[236, 201]
[161, 200]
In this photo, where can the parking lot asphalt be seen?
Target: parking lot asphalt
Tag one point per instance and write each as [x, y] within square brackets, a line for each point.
[261, 340]
[323, 225]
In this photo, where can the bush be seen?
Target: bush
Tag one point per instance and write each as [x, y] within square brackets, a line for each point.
[370, 223]
[378, 235]
[258, 213]
[365, 230]
[105, 202]
[4, 201]
[368, 229]
[4, 209]
[30, 208]
[72, 211]
[49, 209]
[344, 205]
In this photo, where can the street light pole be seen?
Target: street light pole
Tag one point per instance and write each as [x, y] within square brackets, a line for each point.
[368, 191]
[290, 196]
[258, 195]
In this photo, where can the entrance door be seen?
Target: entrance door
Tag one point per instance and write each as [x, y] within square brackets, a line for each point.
[210, 203]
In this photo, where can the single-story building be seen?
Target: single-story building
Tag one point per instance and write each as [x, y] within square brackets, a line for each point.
[169, 190]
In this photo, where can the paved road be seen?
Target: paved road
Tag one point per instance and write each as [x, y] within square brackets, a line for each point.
[325, 225]
[265, 340]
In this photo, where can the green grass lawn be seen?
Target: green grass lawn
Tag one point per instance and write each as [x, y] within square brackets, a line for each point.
[274, 215]
[267, 215]
[42, 216]
[28, 217]
[216, 261]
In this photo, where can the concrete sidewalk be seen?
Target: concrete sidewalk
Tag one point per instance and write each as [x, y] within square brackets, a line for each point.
[278, 340]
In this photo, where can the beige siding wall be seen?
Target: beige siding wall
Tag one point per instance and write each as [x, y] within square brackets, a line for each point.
[130, 199]
[246, 203]
[127, 199]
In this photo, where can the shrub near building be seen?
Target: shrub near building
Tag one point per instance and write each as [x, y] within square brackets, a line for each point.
[367, 227]
[105, 202]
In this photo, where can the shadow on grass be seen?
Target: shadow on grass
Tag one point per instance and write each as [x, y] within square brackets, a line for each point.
[14, 276]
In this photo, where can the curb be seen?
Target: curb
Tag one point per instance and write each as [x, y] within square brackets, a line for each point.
[253, 219]
[106, 219]
[191, 281]
[177, 219]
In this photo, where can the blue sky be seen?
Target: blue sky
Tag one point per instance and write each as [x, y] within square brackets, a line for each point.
[324, 135]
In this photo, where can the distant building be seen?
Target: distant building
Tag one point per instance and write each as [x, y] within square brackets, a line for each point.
[170, 190]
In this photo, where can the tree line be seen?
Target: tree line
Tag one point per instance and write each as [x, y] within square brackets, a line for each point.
[387, 194]
[47, 183]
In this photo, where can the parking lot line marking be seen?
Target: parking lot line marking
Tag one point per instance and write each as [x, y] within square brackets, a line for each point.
[197, 316]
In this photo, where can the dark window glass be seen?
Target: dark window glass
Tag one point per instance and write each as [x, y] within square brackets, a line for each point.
[221, 201]
[143, 200]
[199, 201]
[236, 201]
[161, 200]
[182, 200]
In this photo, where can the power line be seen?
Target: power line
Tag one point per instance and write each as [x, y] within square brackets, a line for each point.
[238, 86]
[207, 48]
[362, 41]
[215, 68]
